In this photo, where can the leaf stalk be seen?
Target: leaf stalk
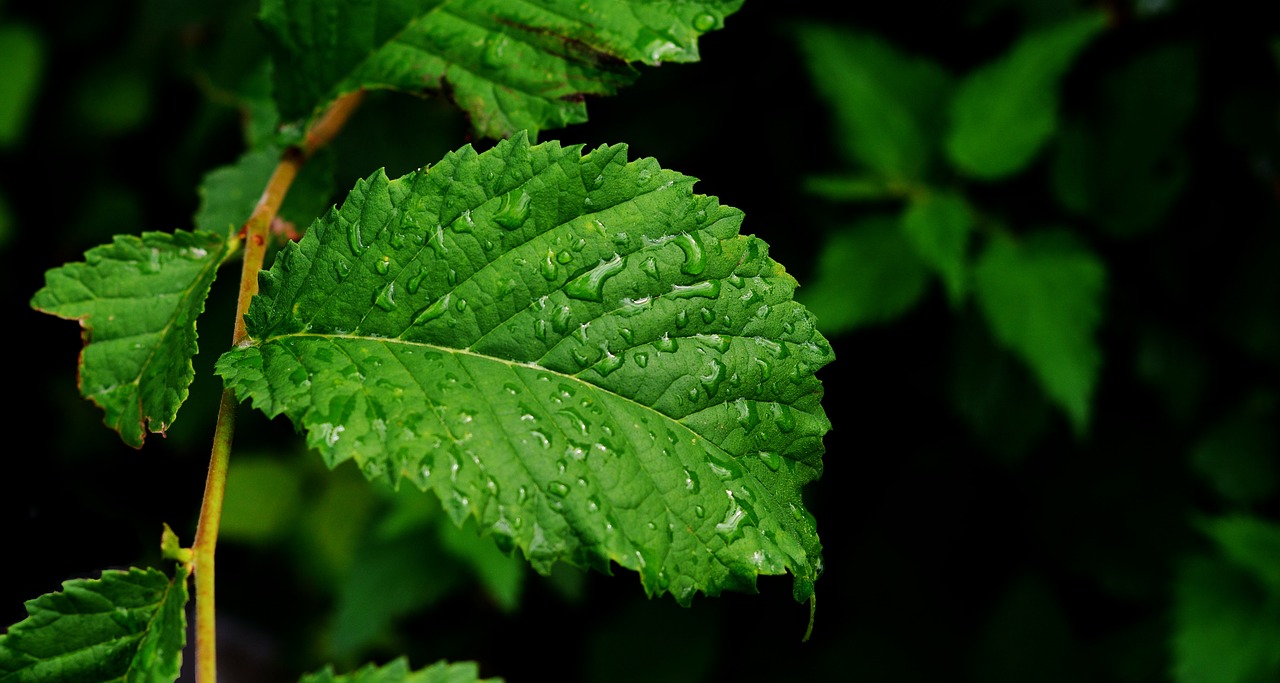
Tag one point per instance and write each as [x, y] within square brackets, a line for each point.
[256, 231]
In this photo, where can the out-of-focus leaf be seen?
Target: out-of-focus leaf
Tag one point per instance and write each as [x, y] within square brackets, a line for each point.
[398, 672]
[851, 188]
[1252, 544]
[1026, 637]
[938, 225]
[501, 575]
[124, 626]
[574, 349]
[995, 393]
[866, 273]
[1225, 626]
[1238, 456]
[1042, 296]
[509, 64]
[1125, 168]
[262, 500]
[137, 299]
[1004, 112]
[22, 54]
[887, 106]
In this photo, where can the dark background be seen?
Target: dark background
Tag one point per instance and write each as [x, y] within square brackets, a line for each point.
[949, 554]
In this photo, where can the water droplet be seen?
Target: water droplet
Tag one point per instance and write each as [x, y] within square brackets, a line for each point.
[435, 310]
[748, 413]
[436, 241]
[643, 177]
[581, 333]
[548, 266]
[784, 417]
[561, 318]
[580, 358]
[460, 306]
[513, 211]
[383, 265]
[385, 298]
[609, 363]
[597, 182]
[415, 282]
[451, 277]
[343, 268]
[558, 489]
[691, 483]
[354, 238]
[650, 267]
[695, 260]
[495, 52]
[714, 377]
[788, 328]
[707, 315]
[541, 438]
[682, 318]
[564, 257]
[731, 521]
[709, 289]
[666, 343]
[488, 245]
[699, 511]
[771, 460]
[589, 286]
[540, 329]
[705, 22]
[642, 358]
[718, 342]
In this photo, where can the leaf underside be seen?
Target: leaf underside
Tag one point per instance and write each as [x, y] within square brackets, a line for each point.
[137, 299]
[509, 64]
[125, 626]
[574, 349]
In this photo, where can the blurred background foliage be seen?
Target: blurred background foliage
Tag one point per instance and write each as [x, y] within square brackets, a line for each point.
[1042, 236]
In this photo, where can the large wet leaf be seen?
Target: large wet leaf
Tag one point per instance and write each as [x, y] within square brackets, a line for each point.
[575, 349]
[137, 299]
[509, 64]
[125, 626]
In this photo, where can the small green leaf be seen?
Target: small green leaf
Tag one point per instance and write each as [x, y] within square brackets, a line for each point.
[574, 349]
[1237, 456]
[137, 299]
[509, 64]
[229, 194]
[938, 225]
[867, 273]
[1004, 112]
[398, 672]
[1043, 299]
[886, 105]
[125, 626]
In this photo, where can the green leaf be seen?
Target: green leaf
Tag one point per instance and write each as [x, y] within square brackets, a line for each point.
[125, 626]
[509, 64]
[574, 349]
[1225, 627]
[938, 225]
[867, 273]
[1250, 543]
[22, 53]
[1004, 112]
[886, 105]
[137, 299]
[1128, 166]
[1237, 456]
[398, 672]
[1043, 299]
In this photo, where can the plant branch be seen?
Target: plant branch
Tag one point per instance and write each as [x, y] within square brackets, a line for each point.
[256, 231]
